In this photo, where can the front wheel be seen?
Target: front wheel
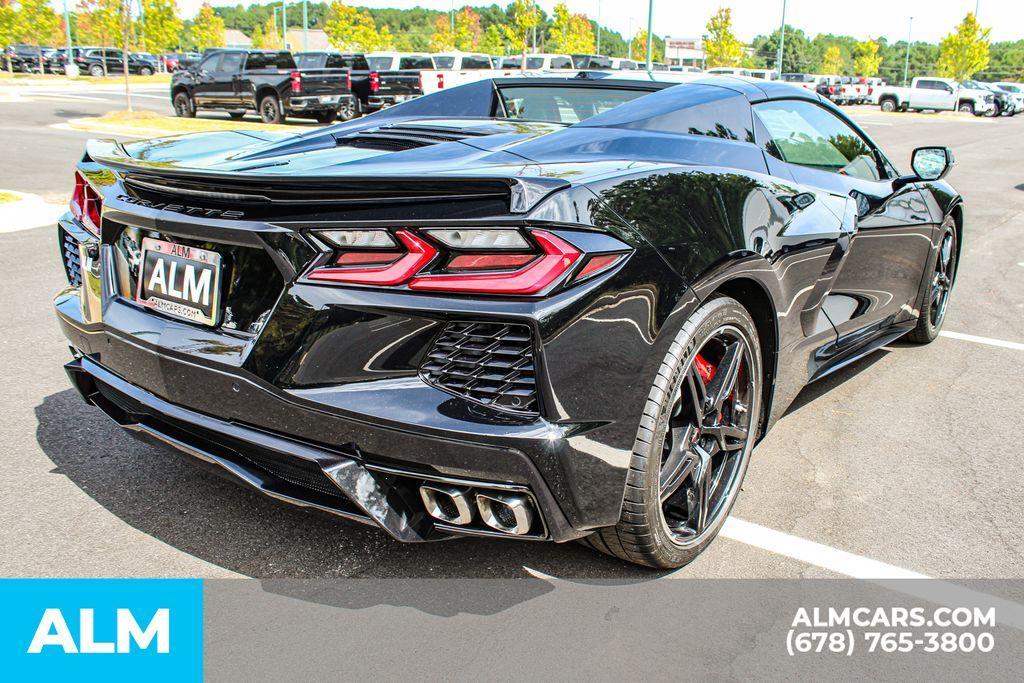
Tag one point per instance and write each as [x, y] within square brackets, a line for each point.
[935, 298]
[96, 71]
[966, 108]
[183, 106]
[692, 449]
[270, 110]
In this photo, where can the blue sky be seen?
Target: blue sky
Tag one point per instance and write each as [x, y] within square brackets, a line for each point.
[686, 18]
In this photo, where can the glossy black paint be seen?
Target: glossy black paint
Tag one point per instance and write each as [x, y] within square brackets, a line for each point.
[830, 267]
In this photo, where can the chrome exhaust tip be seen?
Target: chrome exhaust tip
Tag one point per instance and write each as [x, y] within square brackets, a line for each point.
[506, 512]
[446, 503]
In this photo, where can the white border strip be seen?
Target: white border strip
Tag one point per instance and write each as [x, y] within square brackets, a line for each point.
[1016, 346]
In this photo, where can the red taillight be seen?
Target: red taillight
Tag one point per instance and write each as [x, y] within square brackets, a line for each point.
[595, 265]
[348, 81]
[296, 81]
[374, 81]
[440, 81]
[506, 261]
[557, 257]
[86, 204]
[418, 254]
[870, 90]
[419, 81]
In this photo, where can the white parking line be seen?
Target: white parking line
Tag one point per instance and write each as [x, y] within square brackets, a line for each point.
[857, 567]
[1016, 346]
[826, 557]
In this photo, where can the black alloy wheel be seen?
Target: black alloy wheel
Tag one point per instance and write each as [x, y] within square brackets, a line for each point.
[183, 106]
[270, 110]
[347, 111]
[940, 285]
[692, 450]
[705, 444]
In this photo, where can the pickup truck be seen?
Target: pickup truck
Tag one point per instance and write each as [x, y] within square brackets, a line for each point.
[358, 71]
[938, 94]
[267, 82]
[395, 77]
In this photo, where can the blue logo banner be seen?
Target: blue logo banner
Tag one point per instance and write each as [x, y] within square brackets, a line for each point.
[102, 629]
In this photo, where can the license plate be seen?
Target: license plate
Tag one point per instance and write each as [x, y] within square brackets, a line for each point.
[180, 281]
[329, 99]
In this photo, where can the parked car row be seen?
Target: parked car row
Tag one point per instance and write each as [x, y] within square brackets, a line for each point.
[93, 60]
[946, 94]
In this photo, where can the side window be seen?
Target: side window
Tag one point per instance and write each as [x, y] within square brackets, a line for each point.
[805, 134]
[210, 63]
[561, 63]
[231, 62]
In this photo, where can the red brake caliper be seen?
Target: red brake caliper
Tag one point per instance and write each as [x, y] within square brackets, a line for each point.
[706, 371]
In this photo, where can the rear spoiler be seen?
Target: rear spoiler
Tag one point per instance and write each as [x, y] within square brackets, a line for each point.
[523, 192]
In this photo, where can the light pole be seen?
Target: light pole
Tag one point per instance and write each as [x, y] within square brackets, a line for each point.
[305, 26]
[782, 38]
[906, 62]
[284, 24]
[67, 28]
[598, 27]
[650, 32]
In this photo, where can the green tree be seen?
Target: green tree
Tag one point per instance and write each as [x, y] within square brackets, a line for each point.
[351, 29]
[721, 47]
[207, 29]
[867, 59]
[39, 24]
[162, 25]
[570, 33]
[267, 35]
[524, 16]
[965, 51]
[10, 30]
[443, 39]
[640, 47]
[832, 60]
[798, 53]
[492, 42]
[468, 30]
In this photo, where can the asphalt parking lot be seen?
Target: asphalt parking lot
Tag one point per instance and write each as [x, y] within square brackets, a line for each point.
[908, 461]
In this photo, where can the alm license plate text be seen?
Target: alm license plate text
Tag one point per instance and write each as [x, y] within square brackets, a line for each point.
[179, 280]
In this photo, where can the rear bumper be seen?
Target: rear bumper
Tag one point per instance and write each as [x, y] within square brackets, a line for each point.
[318, 103]
[341, 482]
[380, 101]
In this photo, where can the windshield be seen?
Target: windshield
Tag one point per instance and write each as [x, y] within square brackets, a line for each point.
[444, 62]
[310, 61]
[416, 63]
[797, 78]
[1011, 88]
[379, 63]
[562, 105]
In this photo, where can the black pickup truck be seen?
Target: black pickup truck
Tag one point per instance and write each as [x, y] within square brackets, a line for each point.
[359, 76]
[268, 82]
[396, 77]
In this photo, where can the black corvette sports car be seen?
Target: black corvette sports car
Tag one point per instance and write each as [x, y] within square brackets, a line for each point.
[525, 308]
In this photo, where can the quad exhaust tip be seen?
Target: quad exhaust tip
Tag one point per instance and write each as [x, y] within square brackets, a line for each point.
[447, 503]
[505, 512]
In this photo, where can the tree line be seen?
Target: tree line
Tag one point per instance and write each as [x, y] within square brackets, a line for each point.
[518, 27]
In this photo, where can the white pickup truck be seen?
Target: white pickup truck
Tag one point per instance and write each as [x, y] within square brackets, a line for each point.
[939, 94]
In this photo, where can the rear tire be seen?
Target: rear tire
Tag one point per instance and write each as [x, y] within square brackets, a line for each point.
[935, 298]
[703, 458]
[184, 107]
[145, 71]
[270, 110]
[96, 71]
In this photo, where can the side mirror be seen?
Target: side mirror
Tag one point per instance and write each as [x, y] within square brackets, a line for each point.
[932, 163]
